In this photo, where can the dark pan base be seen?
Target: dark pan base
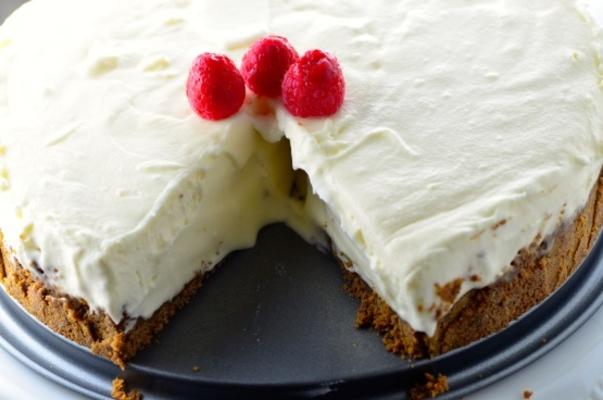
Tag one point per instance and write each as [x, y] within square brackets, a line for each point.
[274, 320]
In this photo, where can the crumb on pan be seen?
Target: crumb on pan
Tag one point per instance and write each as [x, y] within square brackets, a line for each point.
[431, 388]
[120, 391]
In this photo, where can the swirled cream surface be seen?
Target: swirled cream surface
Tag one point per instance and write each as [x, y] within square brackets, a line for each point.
[470, 129]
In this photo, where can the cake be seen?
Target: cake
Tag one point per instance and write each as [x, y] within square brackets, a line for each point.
[458, 186]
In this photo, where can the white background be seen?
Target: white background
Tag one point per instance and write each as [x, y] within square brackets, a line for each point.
[573, 371]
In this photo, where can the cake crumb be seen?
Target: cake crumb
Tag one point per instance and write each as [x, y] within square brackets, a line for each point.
[433, 387]
[120, 391]
[449, 291]
[527, 394]
[196, 368]
[499, 224]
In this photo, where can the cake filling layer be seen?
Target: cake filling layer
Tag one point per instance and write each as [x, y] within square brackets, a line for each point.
[469, 131]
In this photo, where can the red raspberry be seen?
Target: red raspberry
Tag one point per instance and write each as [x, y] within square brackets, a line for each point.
[215, 87]
[266, 63]
[314, 86]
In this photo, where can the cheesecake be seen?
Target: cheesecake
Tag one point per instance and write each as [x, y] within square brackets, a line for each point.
[458, 186]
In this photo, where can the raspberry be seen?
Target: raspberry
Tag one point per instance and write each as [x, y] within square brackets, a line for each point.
[266, 63]
[215, 87]
[314, 86]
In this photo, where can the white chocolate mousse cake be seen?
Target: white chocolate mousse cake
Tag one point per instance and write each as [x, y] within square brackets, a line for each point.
[458, 185]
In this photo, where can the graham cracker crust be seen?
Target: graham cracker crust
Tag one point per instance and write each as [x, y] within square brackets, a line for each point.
[73, 319]
[537, 272]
